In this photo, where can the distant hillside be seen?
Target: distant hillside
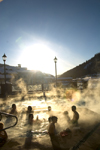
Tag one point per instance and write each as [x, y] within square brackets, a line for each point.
[90, 67]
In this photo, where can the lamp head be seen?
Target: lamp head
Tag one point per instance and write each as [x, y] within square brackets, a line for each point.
[55, 59]
[4, 57]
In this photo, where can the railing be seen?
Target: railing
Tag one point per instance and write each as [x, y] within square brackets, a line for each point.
[11, 116]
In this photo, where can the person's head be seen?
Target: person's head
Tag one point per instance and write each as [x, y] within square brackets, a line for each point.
[29, 108]
[31, 116]
[49, 108]
[14, 106]
[73, 108]
[65, 112]
[50, 119]
[54, 119]
[1, 125]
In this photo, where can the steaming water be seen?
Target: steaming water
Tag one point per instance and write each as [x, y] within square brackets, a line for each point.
[22, 129]
[40, 109]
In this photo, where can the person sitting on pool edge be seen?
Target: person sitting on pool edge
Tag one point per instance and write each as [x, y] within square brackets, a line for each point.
[3, 135]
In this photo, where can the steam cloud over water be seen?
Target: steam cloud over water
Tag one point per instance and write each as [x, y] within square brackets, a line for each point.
[87, 103]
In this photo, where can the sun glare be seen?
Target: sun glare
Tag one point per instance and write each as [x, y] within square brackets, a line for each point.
[38, 57]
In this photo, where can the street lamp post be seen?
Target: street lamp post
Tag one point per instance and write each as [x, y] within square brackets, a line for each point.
[55, 60]
[4, 57]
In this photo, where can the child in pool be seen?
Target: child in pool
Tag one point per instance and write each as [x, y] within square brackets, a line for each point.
[14, 110]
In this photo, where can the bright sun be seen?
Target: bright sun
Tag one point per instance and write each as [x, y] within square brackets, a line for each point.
[38, 57]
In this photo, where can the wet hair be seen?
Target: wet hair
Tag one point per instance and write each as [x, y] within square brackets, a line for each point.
[73, 107]
[50, 119]
[49, 108]
[30, 108]
[54, 117]
[65, 112]
[13, 105]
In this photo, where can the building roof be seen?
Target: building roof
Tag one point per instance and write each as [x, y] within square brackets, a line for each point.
[63, 78]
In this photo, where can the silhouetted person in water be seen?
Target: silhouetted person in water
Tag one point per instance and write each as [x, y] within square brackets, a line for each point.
[75, 118]
[53, 134]
[50, 119]
[49, 108]
[13, 110]
[49, 112]
[29, 110]
[31, 119]
[67, 116]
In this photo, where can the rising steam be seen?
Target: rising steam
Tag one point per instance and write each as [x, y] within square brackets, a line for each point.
[60, 100]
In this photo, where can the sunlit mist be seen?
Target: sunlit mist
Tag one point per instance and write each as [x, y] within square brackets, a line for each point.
[38, 57]
[60, 100]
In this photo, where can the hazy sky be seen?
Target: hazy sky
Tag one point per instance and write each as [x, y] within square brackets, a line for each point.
[33, 32]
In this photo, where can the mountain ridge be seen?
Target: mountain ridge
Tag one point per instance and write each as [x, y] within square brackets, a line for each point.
[89, 68]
